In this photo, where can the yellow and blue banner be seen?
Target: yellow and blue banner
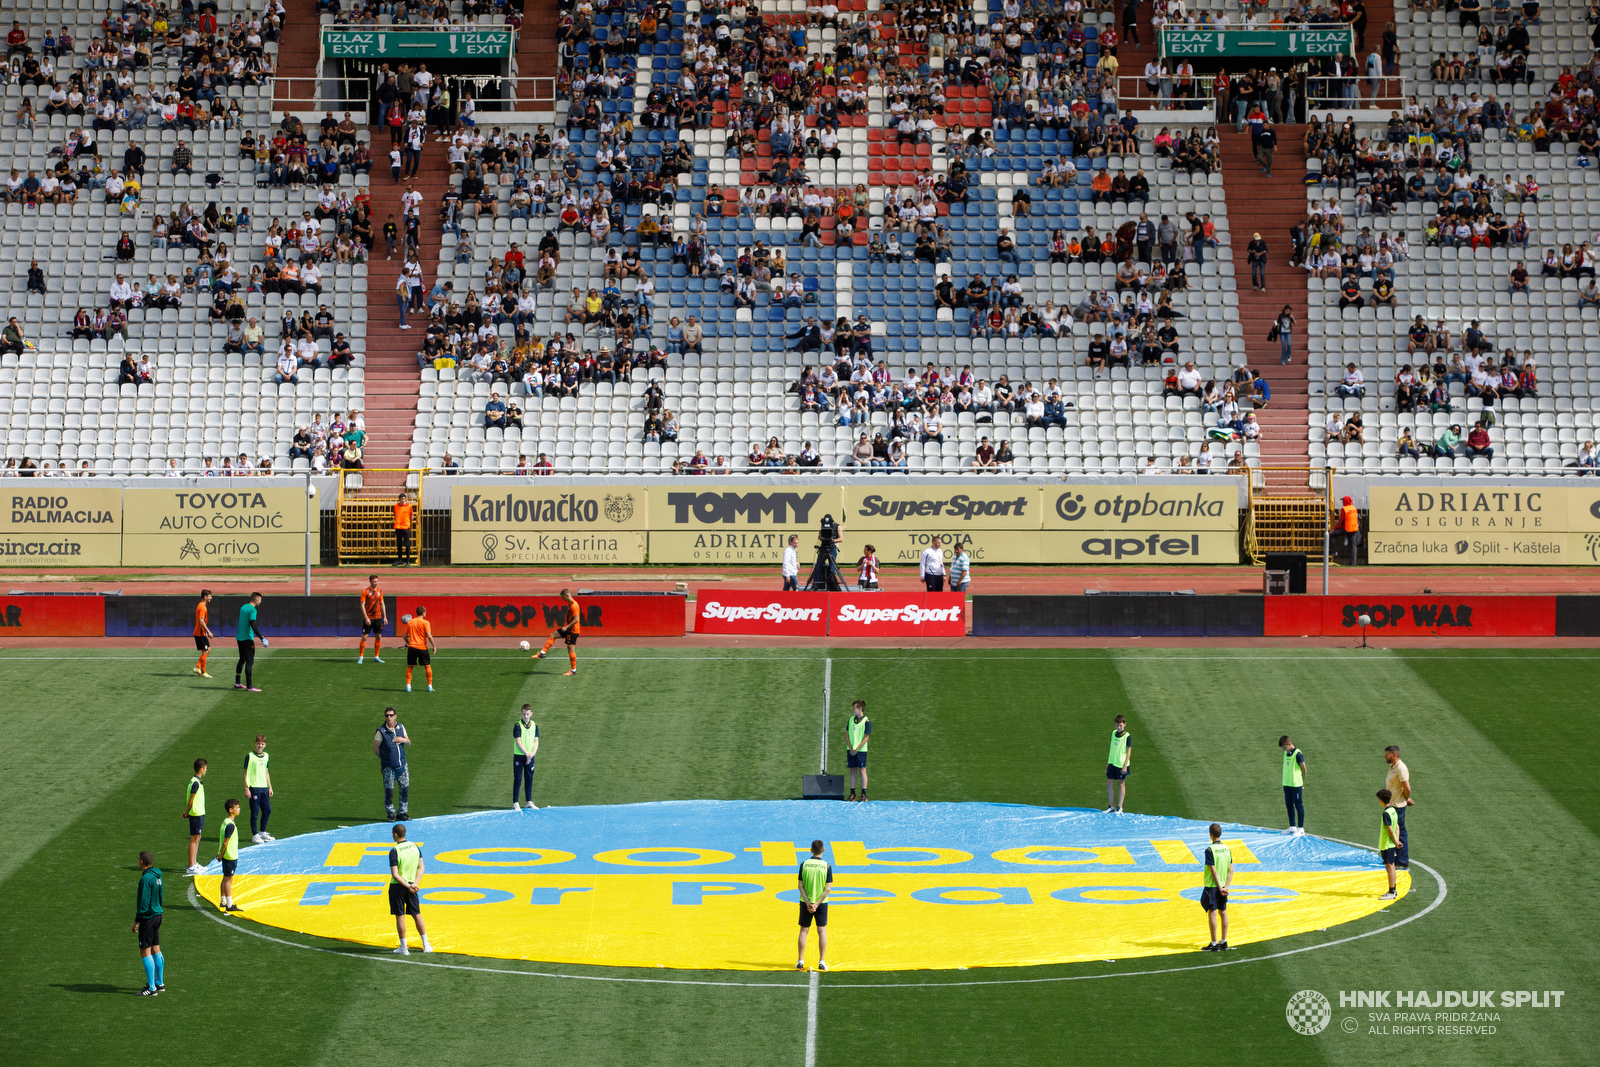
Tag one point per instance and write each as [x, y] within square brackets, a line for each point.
[713, 884]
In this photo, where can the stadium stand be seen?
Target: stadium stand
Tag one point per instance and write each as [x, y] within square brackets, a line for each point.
[1522, 162]
[797, 223]
[744, 386]
[68, 401]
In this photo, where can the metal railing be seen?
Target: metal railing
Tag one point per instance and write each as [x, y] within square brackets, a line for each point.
[492, 93]
[366, 530]
[1288, 511]
[1135, 94]
[1354, 94]
[321, 94]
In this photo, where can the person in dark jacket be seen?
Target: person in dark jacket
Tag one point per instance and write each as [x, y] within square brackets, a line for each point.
[809, 337]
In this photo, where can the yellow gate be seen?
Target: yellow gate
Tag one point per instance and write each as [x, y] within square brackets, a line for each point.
[1289, 511]
[366, 514]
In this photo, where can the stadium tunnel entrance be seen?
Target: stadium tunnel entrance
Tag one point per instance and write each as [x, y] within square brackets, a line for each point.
[488, 82]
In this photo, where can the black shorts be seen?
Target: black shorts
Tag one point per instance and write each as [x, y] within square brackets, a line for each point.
[202, 643]
[228, 867]
[853, 760]
[150, 932]
[403, 901]
[1212, 899]
[1115, 773]
[1390, 855]
[417, 657]
[372, 626]
[197, 825]
[570, 635]
[807, 917]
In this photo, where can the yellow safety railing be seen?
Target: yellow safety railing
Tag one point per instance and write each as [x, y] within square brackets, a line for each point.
[367, 500]
[1289, 509]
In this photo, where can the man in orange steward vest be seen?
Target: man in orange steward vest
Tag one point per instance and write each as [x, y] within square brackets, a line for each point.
[419, 646]
[402, 530]
[1348, 523]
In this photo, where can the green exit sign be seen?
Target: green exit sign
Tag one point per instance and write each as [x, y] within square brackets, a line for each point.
[417, 44]
[1248, 44]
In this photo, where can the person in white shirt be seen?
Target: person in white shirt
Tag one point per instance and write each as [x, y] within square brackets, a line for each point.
[288, 369]
[121, 293]
[421, 81]
[791, 564]
[1189, 379]
[932, 567]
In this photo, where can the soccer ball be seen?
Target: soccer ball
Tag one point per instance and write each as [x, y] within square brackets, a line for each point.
[524, 645]
[405, 618]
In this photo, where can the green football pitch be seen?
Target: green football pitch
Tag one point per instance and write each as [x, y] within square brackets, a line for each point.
[1501, 746]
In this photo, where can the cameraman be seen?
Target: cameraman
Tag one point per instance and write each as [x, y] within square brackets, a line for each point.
[932, 567]
[791, 564]
[828, 538]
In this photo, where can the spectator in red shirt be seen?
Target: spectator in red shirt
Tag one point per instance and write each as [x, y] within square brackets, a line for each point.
[1478, 442]
[17, 40]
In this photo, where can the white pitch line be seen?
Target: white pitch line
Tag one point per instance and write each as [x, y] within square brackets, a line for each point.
[811, 1019]
[1444, 891]
[827, 703]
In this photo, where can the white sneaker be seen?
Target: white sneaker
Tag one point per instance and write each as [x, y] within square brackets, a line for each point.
[194, 868]
[822, 965]
[267, 837]
[255, 839]
[427, 946]
[1299, 831]
[532, 806]
[1388, 896]
[515, 806]
[402, 951]
[1290, 831]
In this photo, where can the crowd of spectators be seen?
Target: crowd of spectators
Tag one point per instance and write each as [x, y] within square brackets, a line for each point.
[288, 158]
[1500, 53]
[337, 444]
[424, 16]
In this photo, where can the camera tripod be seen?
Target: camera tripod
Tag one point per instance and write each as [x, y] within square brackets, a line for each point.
[825, 572]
